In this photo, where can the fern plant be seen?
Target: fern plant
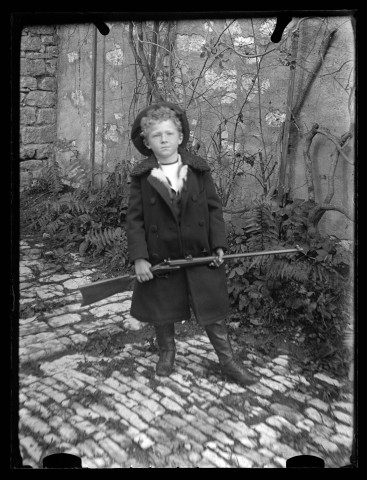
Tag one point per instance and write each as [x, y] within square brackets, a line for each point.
[261, 228]
[51, 176]
[74, 215]
[77, 175]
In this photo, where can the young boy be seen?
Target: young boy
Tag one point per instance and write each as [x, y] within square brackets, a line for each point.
[174, 212]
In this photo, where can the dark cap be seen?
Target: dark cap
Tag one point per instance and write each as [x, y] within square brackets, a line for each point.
[138, 140]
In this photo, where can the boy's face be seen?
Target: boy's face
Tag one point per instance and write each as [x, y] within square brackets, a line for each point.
[163, 139]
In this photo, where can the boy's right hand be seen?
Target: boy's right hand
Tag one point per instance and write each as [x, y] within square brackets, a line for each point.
[142, 270]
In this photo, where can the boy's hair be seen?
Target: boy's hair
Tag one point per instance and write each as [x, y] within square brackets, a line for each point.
[158, 115]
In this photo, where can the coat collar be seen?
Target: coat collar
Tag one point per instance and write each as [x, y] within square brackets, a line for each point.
[159, 182]
[189, 162]
[195, 162]
[182, 177]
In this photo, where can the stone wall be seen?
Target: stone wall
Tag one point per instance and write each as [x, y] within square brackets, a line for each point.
[38, 98]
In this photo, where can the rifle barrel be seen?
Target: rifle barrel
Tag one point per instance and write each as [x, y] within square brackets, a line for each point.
[266, 252]
[187, 262]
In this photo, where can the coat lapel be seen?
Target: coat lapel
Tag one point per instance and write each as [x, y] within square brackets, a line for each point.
[185, 190]
[151, 163]
[162, 190]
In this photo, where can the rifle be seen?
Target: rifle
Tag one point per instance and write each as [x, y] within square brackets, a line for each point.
[96, 291]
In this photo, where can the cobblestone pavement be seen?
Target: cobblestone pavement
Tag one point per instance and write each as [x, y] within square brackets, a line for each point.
[112, 411]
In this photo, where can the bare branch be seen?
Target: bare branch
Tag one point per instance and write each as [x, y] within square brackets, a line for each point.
[259, 55]
[308, 162]
[143, 63]
[335, 142]
[336, 71]
[334, 162]
[153, 49]
[324, 207]
[235, 212]
[206, 60]
[311, 78]
[154, 44]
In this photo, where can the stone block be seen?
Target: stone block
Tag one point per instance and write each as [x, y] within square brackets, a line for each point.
[38, 134]
[194, 433]
[46, 115]
[131, 417]
[30, 42]
[143, 441]
[104, 412]
[28, 83]
[313, 414]
[291, 414]
[325, 443]
[171, 405]
[32, 67]
[326, 379]
[40, 98]
[44, 151]
[52, 50]
[27, 115]
[41, 30]
[61, 320]
[37, 426]
[32, 448]
[67, 433]
[27, 152]
[51, 66]
[319, 404]
[38, 55]
[281, 423]
[47, 83]
[48, 39]
[343, 417]
[212, 457]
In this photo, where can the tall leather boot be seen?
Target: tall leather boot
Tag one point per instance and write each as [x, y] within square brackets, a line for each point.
[167, 349]
[218, 336]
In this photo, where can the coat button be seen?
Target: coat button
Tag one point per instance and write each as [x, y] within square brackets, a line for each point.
[153, 200]
[155, 256]
[154, 229]
[201, 223]
[194, 198]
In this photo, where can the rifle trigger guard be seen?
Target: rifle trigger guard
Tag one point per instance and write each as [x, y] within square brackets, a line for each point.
[162, 275]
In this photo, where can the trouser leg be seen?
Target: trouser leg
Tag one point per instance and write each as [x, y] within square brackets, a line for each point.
[218, 336]
[165, 335]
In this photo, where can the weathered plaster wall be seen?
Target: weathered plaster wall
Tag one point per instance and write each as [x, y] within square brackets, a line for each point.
[38, 95]
[114, 85]
[118, 79]
[231, 86]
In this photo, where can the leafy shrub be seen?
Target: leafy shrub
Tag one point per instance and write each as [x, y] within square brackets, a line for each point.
[311, 288]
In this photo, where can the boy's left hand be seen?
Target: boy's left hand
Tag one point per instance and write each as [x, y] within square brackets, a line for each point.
[217, 262]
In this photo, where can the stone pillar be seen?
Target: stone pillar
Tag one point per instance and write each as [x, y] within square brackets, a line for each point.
[38, 98]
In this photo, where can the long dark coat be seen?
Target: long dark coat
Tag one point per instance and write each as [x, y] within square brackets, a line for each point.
[156, 233]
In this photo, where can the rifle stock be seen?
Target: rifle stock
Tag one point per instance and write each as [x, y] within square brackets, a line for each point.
[96, 291]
